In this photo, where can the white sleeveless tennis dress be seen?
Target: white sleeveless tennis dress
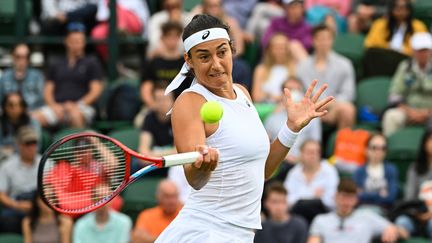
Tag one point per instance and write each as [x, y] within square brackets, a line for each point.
[227, 208]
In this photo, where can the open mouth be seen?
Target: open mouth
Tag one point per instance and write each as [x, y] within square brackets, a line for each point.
[216, 75]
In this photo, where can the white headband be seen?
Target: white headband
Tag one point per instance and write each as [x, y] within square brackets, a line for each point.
[193, 40]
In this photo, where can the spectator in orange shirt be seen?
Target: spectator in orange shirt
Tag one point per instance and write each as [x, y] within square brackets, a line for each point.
[151, 222]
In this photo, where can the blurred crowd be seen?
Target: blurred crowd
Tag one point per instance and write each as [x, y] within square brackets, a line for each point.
[352, 192]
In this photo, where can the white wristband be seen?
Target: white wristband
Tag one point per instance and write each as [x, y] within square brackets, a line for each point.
[287, 137]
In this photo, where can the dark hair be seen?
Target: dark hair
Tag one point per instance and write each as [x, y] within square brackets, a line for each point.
[201, 22]
[171, 26]
[24, 119]
[322, 27]
[35, 213]
[347, 185]
[421, 164]
[275, 187]
[391, 25]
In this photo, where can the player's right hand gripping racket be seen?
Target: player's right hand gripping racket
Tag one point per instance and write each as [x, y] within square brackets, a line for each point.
[84, 171]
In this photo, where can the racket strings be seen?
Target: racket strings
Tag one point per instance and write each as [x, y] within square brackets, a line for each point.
[84, 172]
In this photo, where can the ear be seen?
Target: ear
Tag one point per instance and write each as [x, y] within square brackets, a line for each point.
[188, 60]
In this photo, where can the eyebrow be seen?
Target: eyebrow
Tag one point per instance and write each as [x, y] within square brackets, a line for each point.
[204, 50]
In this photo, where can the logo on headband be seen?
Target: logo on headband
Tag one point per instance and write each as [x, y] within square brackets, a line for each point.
[206, 34]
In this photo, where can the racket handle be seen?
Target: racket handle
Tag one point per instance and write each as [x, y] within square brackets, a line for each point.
[180, 159]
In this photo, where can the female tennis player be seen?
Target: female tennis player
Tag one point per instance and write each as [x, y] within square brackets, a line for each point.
[224, 205]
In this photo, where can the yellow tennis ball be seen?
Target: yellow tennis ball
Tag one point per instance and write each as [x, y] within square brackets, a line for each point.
[211, 112]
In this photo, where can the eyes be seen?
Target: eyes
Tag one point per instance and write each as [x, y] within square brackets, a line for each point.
[205, 57]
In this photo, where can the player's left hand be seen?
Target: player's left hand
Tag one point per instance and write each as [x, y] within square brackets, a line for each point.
[310, 107]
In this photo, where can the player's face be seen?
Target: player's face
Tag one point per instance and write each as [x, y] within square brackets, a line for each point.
[277, 205]
[345, 202]
[212, 63]
[377, 149]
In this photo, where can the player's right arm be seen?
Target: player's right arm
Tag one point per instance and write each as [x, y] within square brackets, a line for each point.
[190, 135]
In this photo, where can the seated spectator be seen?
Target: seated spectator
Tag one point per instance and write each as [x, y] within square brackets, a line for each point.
[18, 181]
[14, 117]
[172, 11]
[294, 26]
[262, 14]
[346, 224]
[56, 15]
[23, 79]
[151, 222]
[165, 64]
[395, 30]
[312, 182]
[132, 17]
[278, 118]
[103, 225]
[327, 66]
[156, 138]
[342, 7]
[73, 84]
[44, 225]
[409, 91]
[280, 226]
[418, 189]
[364, 12]
[239, 10]
[278, 64]
[377, 180]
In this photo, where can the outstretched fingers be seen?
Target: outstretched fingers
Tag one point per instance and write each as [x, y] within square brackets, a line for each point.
[319, 93]
[310, 89]
[322, 104]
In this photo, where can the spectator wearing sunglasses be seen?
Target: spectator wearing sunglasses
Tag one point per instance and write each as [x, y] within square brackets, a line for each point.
[377, 180]
[18, 181]
[23, 79]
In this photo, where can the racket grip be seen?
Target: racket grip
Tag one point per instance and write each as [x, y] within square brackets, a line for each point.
[180, 159]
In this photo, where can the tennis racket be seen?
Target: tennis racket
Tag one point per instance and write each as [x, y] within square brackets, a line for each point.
[84, 171]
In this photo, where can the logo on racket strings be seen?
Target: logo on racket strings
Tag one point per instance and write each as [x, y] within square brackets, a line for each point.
[206, 34]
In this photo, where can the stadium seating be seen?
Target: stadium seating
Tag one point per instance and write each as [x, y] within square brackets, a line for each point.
[190, 4]
[352, 47]
[11, 238]
[264, 110]
[139, 196]
[371, 98]
[381, 62]
[67, 131]
[423, 11]
[127, 136]
[415, 240]
[8, 15]
[403, 147]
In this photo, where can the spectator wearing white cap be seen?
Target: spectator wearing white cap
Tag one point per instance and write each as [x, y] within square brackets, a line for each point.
[411, 87]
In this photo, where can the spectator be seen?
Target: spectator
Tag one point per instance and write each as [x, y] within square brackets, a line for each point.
[346, 224]
[73, 84]
[329, 67]
[418, 188]
[262, 14]
[377, 180]
[44, 225]
[311, 183]
[293, 25]
[103, 225]
[132, 17]
[409, 91]
[240, 10]
[395, 30]
[23, 79]
[278, 64]
[172, 11]
[151, 222]
[277, 119]
[156, 138]
[176, 174]
[280, 226]
[364, 12]
[18, 181]
[342, 7]
[14, 117]
[165, 64]
[56, 15]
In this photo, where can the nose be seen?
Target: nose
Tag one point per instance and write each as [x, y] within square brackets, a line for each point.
[216, 64]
